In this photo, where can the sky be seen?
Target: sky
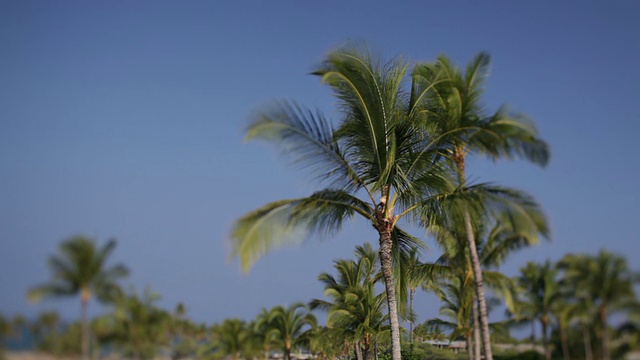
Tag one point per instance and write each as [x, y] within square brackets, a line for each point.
[125, 120]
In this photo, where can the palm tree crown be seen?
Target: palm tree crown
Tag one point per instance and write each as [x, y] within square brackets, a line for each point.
[80, 268]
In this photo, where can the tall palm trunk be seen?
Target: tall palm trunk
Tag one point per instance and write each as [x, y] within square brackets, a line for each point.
[459, 157]
[358, 350]
[469, 347]
[606, 348]
[476, 329]
[384, 228]
[411, 293]
[565, 342]
[586, 335]
[545, 340]
[84, 341]
[477, 273]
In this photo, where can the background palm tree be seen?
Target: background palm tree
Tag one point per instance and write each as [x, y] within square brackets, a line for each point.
[80, 268]
[233, 337]
[470, 129]
[355, 309]
[604, 281]
[541, 285]
[379, 151]
[291, 326]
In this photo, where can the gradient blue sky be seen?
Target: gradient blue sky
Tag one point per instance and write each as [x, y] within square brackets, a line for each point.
[124, 119]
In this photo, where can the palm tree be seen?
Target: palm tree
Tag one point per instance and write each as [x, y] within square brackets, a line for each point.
[606, 282]
[457, 298]
[380, 151]
[233, 337]
[496, 238]
[355, 310]
[80, 268]
[138, 326]
[470, 129]
[263, 331]
[290, 326]
[542, 291]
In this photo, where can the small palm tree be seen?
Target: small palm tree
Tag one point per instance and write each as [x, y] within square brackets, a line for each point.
[233, 337]
[606, 282]
[355, 310]
[291, 326]
[80, 269]
[542, 291]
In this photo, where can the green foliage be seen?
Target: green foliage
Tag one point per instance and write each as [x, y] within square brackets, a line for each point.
[137, 327]
[424, 351]
[81, 267]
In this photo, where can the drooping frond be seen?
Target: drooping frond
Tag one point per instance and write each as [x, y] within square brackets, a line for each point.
[509, 136]
[308, 138]
[286, 221]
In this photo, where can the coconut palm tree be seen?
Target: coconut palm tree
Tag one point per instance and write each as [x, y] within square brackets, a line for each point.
[138, 326]
[460, 116]
[355, 310]
[80, 269]
[542, 291]
[263, 332]
[233, 337]
[606, 282]
[496, 238]
[291, 326]
[380, 163]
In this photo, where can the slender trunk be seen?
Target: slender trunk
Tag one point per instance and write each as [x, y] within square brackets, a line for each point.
[366, 347]
[358, 350]
[588, 353]
[475, 262]
[476, 329]
[84, 334]
[606, 348]
[533, 335]
[384, 228]
[477, 274]
[375, 348]
[470, 348]
[565, 343]
[545, 340]
[411, 293]
[287, 353]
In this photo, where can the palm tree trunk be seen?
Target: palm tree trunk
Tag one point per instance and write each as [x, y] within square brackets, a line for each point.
[565, 343]
[476, 329]
[545, 341]
[411, 293]
[475, 262]
[84, 341]
[606, 348]
[358, 350]
[384, 229]
[588, 353]
[477, 274]
[470, 347]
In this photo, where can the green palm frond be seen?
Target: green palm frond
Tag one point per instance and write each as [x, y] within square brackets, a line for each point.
[287, 221]
[308, 138]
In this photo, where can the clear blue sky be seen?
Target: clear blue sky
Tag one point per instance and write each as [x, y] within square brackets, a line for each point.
[124, 119]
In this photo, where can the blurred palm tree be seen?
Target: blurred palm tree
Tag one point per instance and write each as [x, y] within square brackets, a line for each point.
[291, 326]
[604, 281]
[232, 338]
[541, 291]
[138, 326]
[80, 269]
